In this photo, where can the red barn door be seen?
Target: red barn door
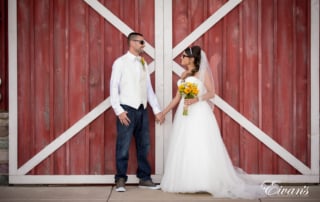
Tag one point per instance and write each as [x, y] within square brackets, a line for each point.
[62, 126]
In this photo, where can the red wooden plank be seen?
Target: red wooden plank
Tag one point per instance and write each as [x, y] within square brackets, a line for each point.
[213, 45]
[146, 27]
[110, 135]
[25, 96]
[60, 81]
[231, 81]
[275, 162]
[146, 20]
[32, 79]
[308, 146]
[78, 83]
[302, 69]
[196, 15]
[130, 15]
[284, 88]
[114, 44]
[180, 31]
[266, 58]
[42, 81]
[4, 55]
[51, 82]
[96, 91]
[180, 23]
[249, 105]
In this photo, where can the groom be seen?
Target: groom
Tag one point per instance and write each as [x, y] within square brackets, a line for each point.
[130, 90]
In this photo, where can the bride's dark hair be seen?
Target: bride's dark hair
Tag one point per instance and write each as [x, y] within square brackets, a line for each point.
[195, 52]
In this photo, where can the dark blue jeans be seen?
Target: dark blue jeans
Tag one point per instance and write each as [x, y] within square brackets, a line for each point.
[139, 128]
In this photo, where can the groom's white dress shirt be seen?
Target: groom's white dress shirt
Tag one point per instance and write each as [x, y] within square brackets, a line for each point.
[130, 84]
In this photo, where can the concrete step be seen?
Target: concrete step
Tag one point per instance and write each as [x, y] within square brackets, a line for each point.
[4, 124]
[4, 142]
[133, 194]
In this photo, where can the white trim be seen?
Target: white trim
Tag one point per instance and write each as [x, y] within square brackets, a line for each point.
[315, 83]
[177, 69]
[132, 179]
[159, 10]
[72, 179]
[13, 86]
[205, 26]
[168, 62]
[151, 67]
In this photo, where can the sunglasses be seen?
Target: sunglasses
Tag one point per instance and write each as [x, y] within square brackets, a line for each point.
[183, 56]
[140, 41]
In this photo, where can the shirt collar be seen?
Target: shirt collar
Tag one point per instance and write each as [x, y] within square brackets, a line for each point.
[133, 57]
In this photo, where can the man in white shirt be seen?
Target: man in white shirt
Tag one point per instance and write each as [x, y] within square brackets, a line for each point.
[130, 90]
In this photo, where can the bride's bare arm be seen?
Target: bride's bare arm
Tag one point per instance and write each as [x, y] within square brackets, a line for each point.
[172, 104]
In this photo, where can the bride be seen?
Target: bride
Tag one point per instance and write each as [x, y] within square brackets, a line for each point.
[197, 159]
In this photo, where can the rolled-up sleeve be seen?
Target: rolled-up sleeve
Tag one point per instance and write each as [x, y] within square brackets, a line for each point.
[114, 87]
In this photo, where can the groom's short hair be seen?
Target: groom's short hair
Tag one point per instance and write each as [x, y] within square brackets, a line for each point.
[132, 36]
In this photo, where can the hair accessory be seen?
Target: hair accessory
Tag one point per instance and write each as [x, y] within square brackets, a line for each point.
[190, 50]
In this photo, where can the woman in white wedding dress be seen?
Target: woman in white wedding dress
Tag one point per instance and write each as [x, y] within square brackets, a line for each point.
[197, 160]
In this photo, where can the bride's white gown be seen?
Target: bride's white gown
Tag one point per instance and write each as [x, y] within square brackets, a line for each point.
[197, 160]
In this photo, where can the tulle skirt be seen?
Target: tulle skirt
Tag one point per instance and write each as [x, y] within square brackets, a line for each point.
[197, 160]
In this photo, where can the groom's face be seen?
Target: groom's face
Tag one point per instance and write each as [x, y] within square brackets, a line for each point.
[138, 44]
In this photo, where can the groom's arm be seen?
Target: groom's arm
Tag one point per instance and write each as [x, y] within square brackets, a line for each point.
[114, 88]
[153, 101]
[152, 98]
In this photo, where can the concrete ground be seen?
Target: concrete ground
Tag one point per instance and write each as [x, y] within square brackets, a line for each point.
[133, 194]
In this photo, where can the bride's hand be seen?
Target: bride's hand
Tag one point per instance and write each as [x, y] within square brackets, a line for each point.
[160, 118]
[191, 101]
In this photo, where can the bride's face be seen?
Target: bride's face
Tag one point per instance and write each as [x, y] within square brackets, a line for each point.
[186, 60]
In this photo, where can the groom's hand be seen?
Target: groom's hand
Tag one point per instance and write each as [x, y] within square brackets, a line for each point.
[160, 118]
[124, 119]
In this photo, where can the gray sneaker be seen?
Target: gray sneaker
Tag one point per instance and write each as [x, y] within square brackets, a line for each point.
[148, 184]
[120, 185]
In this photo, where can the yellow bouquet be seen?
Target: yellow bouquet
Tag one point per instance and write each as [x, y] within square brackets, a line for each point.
[188, 90]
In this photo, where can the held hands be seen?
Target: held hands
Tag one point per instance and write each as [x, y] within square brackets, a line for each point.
[160, 118]
[124, 119]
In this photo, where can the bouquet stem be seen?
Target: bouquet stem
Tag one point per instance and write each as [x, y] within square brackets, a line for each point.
[185, 110]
